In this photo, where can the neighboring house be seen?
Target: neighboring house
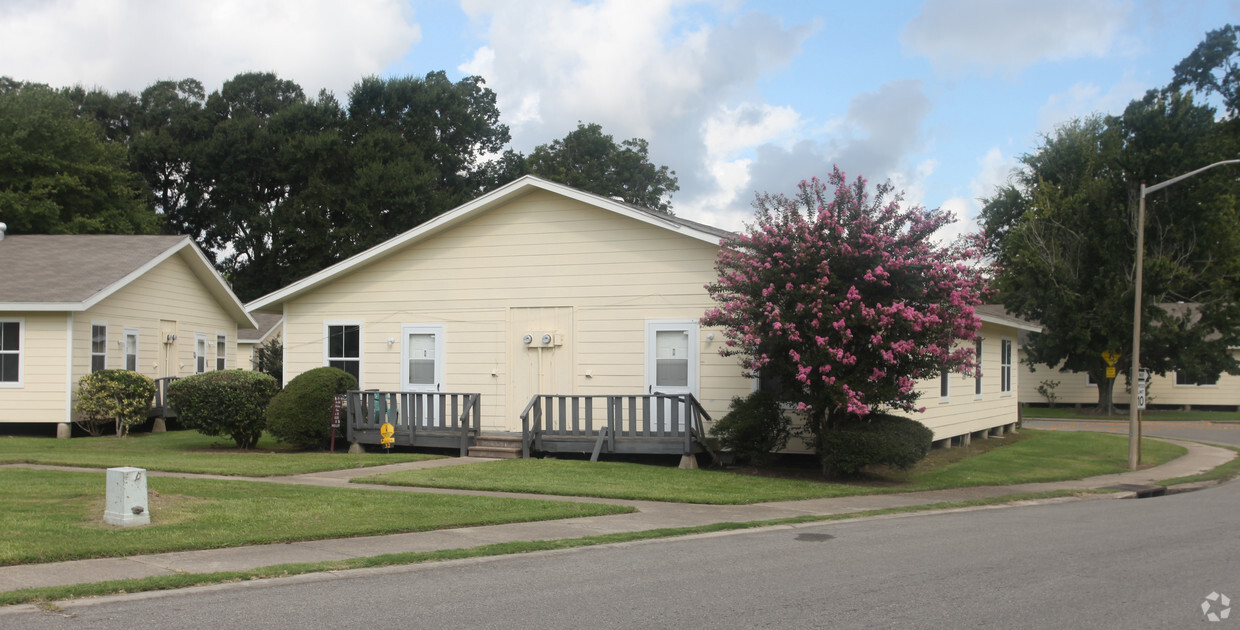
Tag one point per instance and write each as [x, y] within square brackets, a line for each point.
[1167, 392]
[73, 304]
[1174, 390]
[249, 340]
[539, 288]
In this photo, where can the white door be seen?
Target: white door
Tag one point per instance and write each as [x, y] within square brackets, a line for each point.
[672, 360]
[422, 367]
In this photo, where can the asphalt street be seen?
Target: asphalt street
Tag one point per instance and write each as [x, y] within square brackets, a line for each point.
[1136, 563]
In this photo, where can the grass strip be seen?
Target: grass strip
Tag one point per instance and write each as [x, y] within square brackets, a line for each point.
[188, 452]
[1218, 473]
[52, 516]
[1028, 457]
[1155, 415]
[114, 587]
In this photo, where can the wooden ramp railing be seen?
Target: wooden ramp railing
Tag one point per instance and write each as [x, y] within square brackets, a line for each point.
[419, 418]
[159, 406]
[661, 422]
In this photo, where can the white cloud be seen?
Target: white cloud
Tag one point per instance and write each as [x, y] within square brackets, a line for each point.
[680, 74]
[123, 45]
[1009, 36]
[1083, 99]
[994, 170]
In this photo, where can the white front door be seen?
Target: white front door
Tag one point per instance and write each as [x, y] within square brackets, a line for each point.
[422, 366]
[672, 360]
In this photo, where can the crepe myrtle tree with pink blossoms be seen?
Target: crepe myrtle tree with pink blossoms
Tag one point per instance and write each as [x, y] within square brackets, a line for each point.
[841, 301]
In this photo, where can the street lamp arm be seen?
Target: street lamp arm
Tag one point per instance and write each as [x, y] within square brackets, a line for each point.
[1134, 422]
[1159, 186]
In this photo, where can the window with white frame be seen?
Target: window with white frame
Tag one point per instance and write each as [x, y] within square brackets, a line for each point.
[200, 353]
[344, 348]
[131, 349]
[1182, 380]
[11, 342]
[221, 351]
[977, 378]
[944, 385]
[1089, 380]
[1005, 366]
[98, 347]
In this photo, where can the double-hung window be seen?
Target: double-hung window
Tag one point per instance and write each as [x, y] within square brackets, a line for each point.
[11, 352]
[221, 351]
[344, 348]
[98, 347]
[977, 378]
[131, 349]
[200, 353]
[1005, 366]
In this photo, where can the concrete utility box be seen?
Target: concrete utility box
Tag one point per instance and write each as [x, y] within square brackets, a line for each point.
[127, 500]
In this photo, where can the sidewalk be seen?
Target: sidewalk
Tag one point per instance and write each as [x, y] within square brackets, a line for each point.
[650, 515]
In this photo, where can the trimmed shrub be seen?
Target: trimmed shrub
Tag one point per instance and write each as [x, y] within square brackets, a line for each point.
[228, 402]
[299, 415]
[878, 439]
[122, 397]
[754, 429]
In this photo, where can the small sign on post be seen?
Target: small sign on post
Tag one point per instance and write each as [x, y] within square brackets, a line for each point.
[336, 417]
[1143, 377]
[387, 431]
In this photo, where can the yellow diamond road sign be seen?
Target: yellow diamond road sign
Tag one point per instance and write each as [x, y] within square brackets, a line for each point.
[1110, 358]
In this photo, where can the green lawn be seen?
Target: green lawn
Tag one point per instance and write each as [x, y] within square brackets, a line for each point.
[54, 515]
[189, 452]
[1031, 456]
[1122, 415]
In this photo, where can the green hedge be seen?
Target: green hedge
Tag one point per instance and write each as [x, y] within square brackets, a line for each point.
[879, 439]
[299, 415]
[754, 429]
[122, 397]
[228, 402]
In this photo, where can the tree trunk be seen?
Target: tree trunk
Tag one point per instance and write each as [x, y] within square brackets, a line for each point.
[1106, 391]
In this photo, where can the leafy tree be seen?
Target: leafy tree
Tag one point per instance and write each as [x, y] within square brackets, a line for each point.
[1213, 67]
[269, 358]
[1068, 255]
[591, 160]
[58, 172]
[843, 301]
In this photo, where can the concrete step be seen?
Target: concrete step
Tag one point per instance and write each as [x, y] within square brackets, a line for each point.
[495, 452]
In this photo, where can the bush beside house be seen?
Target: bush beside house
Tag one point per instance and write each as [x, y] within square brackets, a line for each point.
[228, 402]
[104, 397]
[300, 414]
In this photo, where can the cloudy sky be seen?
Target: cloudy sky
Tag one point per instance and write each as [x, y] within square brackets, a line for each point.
[938, 96]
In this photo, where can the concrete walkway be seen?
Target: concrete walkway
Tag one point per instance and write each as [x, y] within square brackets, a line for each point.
[649, 515]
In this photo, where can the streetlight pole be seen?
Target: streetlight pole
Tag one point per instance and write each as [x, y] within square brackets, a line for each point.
[1134, 427]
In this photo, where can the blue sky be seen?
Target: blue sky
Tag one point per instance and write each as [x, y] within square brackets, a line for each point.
[938, 96]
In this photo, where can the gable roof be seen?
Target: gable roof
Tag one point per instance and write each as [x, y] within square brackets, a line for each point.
[73, 272]
[267, 324]
[502, 195]
[996, 314]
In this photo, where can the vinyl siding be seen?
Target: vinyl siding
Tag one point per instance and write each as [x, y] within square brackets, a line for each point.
[541, 251]
[1072, 389]
[41, 398]
[964, 412]
[603, 275]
